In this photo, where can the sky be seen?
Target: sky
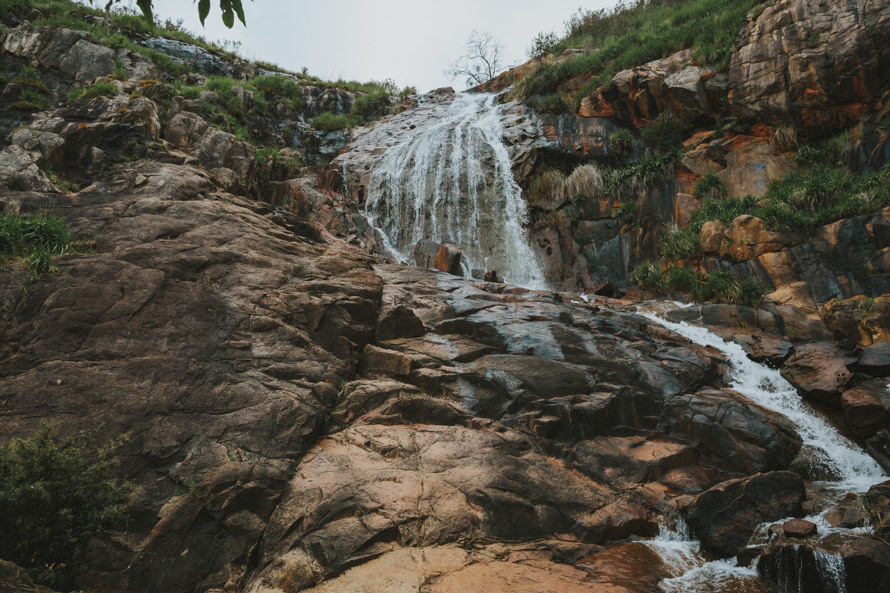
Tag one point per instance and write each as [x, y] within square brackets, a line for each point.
[410, 41]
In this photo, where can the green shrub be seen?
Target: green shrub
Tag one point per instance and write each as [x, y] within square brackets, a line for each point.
[100, 88]
[648, 273]
[680, 243]
[36, 238]
[552, 104]
[648, 171]
[662, 133]
[329, 121]
[622, 142]
[717, 285]
[56, 493]
[710, 186]
[680, 279]
[265, 154]
[626, 214]
[29, 100]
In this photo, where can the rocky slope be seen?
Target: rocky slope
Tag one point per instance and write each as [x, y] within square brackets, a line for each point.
[302, 416]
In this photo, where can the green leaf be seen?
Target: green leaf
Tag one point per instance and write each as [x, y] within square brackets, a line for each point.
[228, 18]
[236, 4]
[203, 10]
[145, 7]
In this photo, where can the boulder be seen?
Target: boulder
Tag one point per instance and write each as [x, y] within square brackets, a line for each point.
[747, 239]
[713, 234]
[875, 360]
[185, 129]
[398, 322]
[864, 412]
[724, 517]
[799, 528]
[448, 259]
[860, 319]
[819, 371]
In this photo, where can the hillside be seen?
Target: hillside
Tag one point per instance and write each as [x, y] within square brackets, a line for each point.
[275, 304]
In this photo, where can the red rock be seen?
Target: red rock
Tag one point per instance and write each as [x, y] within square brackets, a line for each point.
[819, 371]
[713, 233]
[448, 259]
[799, 528]
[863, 411]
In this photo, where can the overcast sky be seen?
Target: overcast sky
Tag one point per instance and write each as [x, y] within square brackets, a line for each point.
[410, 41]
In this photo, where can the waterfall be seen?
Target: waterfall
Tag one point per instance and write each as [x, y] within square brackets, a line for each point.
[453, 182]
[794, 569]
[767, 388]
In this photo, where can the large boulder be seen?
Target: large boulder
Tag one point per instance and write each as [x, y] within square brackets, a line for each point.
[725, 516]
[819, 371]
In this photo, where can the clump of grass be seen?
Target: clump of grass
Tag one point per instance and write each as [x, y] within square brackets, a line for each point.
[547, 187]
[100, 88]
[552, 103]
[29, 76]
[717, 286]
[585, 181]
[626, 214]
[29, 100]
[677, 243]
[36, 238]
[662, 133]
[647, 171]
[266, 154]
[329, 121]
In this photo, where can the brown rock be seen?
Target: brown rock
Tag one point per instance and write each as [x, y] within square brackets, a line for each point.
[387, 362]
[448, 259]
[185, 128]
[875, 360]
[713, 233]
[398, 322]
[798, 528]
[748, 239]
[860, 319]
[815, 64]
[819, 371]
[751, 164]
[725, 516]
[864, 412]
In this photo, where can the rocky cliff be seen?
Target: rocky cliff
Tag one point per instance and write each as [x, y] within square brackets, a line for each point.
[303, 416]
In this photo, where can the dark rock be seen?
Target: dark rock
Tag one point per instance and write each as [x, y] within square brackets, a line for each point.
[492, 276]
[425, 253]
[724, 517]
[15, 579]
[875, 360]
[819, 371]
[864, 411]
[398, 322]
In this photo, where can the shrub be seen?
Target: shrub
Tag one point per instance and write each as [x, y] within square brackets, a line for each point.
[785, 138]
[626, 214]
[266, 153]
[29, 99]
[329, 121]
[584, 182]
[680, 279]
[622, 142]
[680, 243]
[648, 274]
[547, 187]
[663, 132]
[55, 494]
[101, 88]
[710, 186]
[36, 238]
[553, 103]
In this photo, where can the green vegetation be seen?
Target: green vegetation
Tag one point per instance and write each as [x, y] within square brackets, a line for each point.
[553, 103]
[547, 187]
[29, 100]
[36, 238]
[647, 171]
[265, 154]
[30, 77]
[626, 213]
[635, 33]
[56, 493]
[710, 186]
[622, 142]
[677, 243]
[329, 121]
[663, 132]
[717, 286]
[100, 88]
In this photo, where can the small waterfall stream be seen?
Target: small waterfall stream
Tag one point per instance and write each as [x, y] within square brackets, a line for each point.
[453, 182]
[767, 388]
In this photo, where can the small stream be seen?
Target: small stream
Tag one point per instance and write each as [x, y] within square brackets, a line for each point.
[855, 469]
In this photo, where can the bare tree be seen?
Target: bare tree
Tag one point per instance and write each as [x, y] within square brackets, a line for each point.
[482, 61]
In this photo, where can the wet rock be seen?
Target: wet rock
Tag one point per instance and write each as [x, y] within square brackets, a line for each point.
[448, 259]
[724, 517]
[819, 371]
[742, 437]
[799, 528]
[864, 412]
[425, 253]
[875, 360]
[492, 276]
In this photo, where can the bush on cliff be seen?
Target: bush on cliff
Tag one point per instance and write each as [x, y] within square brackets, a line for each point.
[56, 493]
[717, 286]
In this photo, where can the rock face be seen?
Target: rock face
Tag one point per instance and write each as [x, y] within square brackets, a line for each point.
[815, 63]
[723, 516]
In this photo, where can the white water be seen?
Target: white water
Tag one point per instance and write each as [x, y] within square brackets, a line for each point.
[453, 182]
[767, 388]
[692, 571]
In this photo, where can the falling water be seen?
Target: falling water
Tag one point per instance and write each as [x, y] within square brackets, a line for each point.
[767, 388]
[453, 182]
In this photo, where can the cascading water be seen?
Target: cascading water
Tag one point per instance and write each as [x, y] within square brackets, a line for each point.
[767, 388]
[453, 182]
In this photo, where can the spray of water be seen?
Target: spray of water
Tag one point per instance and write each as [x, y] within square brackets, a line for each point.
[453, 182]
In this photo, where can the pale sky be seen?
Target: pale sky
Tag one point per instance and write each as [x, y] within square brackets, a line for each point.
[410, 41]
